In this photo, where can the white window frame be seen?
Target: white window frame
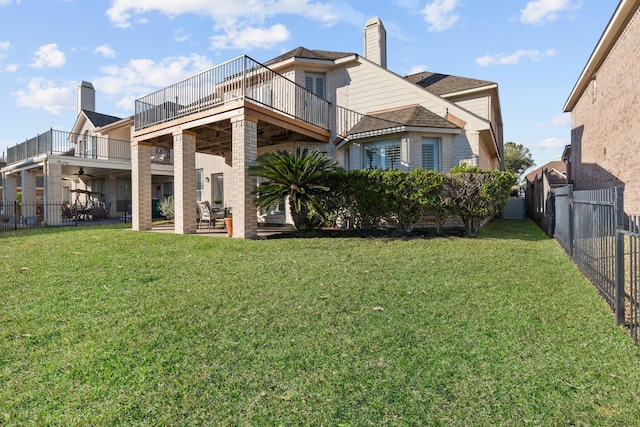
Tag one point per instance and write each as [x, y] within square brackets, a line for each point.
[388, 151]
[311, 83]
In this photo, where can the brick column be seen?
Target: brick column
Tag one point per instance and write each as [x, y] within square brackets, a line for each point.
[9, 193]
[9, 189]
[244, 153]
[29, 193]
[141, 185]
[184, 176]
[52, 193]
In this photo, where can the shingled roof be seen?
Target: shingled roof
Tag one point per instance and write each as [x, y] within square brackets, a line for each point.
[412, 116]
[99, 120]
[442, 84]
[302, 52]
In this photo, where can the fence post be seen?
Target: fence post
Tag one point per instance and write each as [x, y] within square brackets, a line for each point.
[619, 253]
[571, 218]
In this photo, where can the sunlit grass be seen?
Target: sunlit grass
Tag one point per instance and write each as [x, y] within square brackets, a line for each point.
[112, 326]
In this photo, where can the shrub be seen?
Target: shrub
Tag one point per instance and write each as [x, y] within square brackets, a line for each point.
[166, 207]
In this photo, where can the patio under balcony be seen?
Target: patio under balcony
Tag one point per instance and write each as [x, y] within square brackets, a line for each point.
[233, 110]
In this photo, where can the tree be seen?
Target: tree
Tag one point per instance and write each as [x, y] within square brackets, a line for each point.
[517, 158]
[298, 176]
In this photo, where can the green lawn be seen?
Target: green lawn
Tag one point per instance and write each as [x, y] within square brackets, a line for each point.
[115, 327]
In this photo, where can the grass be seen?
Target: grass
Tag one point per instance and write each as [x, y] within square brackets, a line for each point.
[114, 327]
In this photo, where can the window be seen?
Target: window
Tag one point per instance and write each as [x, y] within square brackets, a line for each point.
[218, 189]
[382, 155]
[315, 82]
[199, 184]
[431, 154]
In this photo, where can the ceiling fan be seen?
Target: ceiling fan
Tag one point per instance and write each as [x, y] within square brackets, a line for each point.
[81, 173]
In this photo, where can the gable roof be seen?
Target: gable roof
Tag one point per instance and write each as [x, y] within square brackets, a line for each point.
[552, 169]
[442, 84]
[411, 116]
[302, 52]
[98, 120]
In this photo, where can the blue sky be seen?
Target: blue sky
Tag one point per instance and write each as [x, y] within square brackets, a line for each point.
[534, 49]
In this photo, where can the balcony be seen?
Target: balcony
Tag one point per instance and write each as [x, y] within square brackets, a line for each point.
[238, 79]
[59, 143]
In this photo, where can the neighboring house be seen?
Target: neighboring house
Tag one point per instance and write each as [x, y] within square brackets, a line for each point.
[540, 182]
[95, 158]
[350, 106]
[604, 106]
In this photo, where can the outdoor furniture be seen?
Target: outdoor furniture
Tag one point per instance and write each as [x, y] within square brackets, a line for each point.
[208, 214]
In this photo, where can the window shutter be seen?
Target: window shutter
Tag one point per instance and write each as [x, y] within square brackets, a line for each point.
[431, 154]
[383, 155]
[319, 86]
[308, 83]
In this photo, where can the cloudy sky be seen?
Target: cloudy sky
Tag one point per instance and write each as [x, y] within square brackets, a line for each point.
[535, 51]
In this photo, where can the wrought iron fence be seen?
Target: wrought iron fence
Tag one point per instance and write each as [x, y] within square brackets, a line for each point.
[55, 142]
[238, 78]
[24, 215]
[631, 254]
[605, 245]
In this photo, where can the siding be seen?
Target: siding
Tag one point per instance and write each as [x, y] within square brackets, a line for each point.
[373, 91]
[478, 106]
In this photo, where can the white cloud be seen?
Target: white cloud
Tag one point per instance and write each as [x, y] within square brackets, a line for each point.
[12, 68]
[48, 56]
[514, 59]
[540, 12]
[240, 23]
[248, 37]
[106, 51]
[181, 35]
[417, 69]
[561, 120]
[139, 77]
[552, 143]
[440, 14]
[41, 94]
[4, 46]
[122, 11]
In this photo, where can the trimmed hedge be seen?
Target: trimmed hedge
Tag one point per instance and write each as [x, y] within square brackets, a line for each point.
[363, 198]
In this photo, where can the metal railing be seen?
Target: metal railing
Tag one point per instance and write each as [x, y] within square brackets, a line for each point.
[345, 120]
[605, 245]
[24, 215]
[631, 263]
[240, 78]
[55, 142]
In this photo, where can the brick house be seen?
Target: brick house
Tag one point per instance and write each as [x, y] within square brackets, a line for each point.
[604, 106]
[212, 126]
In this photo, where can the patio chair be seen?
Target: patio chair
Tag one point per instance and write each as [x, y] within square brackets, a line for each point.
[208, 214]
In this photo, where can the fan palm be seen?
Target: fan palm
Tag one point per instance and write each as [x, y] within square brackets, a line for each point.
[298, 176]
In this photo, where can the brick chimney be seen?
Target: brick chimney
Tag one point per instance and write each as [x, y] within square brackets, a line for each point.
[375, 42]
[86, 97]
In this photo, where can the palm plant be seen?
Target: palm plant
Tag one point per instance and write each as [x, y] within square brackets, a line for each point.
[298, 176]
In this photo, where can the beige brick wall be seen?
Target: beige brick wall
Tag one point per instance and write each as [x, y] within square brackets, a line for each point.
[605, 123]
[141, 185]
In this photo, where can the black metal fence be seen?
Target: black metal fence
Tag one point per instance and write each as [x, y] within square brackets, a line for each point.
[24, 215]
[604, 244]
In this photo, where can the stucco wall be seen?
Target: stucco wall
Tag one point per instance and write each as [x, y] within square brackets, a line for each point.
[605, 123]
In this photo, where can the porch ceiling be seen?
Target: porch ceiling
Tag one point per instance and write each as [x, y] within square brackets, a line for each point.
[214, 132]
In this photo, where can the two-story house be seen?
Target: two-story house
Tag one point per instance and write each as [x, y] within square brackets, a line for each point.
[345, 104]
[215, 124]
